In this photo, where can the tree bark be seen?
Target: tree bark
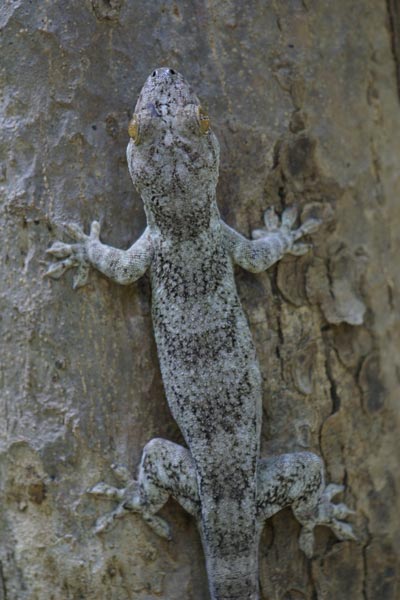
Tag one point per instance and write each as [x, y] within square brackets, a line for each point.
[303, 97]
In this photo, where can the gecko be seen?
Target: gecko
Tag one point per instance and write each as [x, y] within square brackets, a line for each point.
[207, 357]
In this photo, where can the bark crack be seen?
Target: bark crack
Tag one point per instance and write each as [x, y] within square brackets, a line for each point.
[3, 586]
[393, 8]
[365, 565]
[336, 402]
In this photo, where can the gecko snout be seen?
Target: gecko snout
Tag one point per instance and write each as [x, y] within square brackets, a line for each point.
[164, 72]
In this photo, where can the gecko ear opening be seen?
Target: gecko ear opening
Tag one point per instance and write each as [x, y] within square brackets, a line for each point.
[133, 129]
[203, 119]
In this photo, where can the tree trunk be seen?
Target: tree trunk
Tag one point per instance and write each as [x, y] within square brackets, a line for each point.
[304, 100]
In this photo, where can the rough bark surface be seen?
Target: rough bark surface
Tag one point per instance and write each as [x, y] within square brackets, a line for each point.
[303, 98]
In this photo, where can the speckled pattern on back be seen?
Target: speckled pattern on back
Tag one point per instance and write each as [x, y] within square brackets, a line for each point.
[208, 363]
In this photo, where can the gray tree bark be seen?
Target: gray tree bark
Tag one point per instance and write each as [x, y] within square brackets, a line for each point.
[304, 99]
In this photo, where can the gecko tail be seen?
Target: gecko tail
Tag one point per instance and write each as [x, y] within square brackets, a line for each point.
[234, 585]
[232, 571]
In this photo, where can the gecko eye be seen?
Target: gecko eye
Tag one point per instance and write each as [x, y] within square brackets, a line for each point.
[203, 119]
[133, 129]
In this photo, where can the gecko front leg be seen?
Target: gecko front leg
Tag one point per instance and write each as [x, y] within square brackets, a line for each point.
[122, 266]
[166, 469]
[297, 480]
[270, 244]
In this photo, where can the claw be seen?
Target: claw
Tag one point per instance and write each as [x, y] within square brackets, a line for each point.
[75, 232]
[59, 250]
[103, 490]
[104, 524]
[299, 249]
[332, 490]
[306, 541]
[122, 473]
[81, 277]
[271, 219]
[57, 270]
[342, 530]
[159, 526]
[341, 511]
[95, 230]
[289, 216]
[308, 227]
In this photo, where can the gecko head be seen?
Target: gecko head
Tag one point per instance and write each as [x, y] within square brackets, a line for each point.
[172, 151]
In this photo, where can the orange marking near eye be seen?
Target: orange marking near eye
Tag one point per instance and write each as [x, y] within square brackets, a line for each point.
[133, 129]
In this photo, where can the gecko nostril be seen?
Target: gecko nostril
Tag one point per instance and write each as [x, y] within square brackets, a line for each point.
[154, 73]
[172, 72]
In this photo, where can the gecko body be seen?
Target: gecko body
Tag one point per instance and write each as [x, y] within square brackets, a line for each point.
[207, 357]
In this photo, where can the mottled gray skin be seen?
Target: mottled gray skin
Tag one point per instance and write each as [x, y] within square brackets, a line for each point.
[208, 362]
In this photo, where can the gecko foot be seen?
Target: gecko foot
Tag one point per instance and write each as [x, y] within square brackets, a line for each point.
[69, 256]
[326, 513]
[284, 226]
[166, 469]
[129, 501]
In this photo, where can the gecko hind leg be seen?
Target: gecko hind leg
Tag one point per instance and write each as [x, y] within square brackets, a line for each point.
[297, 480]
[166, 469]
